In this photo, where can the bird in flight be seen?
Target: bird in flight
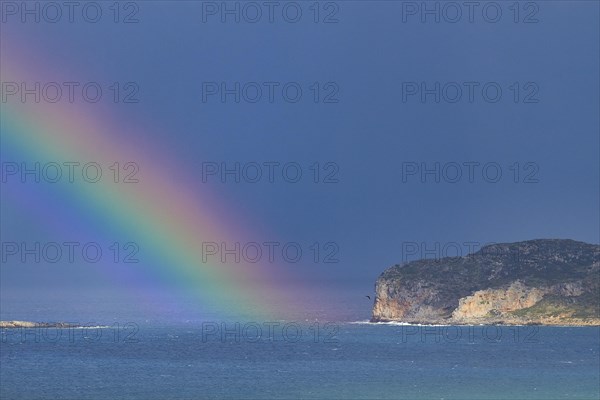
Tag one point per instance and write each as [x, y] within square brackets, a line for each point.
[368, 297]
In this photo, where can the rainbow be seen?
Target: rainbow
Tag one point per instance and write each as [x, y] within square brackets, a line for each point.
[162, 213]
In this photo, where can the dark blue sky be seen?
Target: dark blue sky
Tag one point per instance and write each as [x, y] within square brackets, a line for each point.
[367, 58]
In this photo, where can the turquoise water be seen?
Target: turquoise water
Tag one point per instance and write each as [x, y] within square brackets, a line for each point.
[290, 361]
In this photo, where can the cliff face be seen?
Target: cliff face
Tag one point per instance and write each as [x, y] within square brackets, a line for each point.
[532, 282]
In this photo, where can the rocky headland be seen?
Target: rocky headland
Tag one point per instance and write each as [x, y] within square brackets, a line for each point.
[545, 282]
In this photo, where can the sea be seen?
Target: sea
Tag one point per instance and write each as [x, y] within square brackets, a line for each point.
[299, 360]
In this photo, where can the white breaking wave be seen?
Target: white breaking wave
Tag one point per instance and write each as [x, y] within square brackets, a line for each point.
[394, 323]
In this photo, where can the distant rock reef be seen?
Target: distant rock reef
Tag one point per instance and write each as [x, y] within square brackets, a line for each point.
[545, 282]
[27, 324]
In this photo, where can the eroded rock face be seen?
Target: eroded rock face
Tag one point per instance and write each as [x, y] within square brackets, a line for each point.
[397, 302]
[540, 281]
[497, 301]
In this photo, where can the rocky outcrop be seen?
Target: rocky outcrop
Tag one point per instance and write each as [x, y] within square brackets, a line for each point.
[27, 324]
[497, 301]
[533, 282]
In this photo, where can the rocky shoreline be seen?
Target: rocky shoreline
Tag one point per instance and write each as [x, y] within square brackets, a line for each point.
[28, 324]
[545, 322]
